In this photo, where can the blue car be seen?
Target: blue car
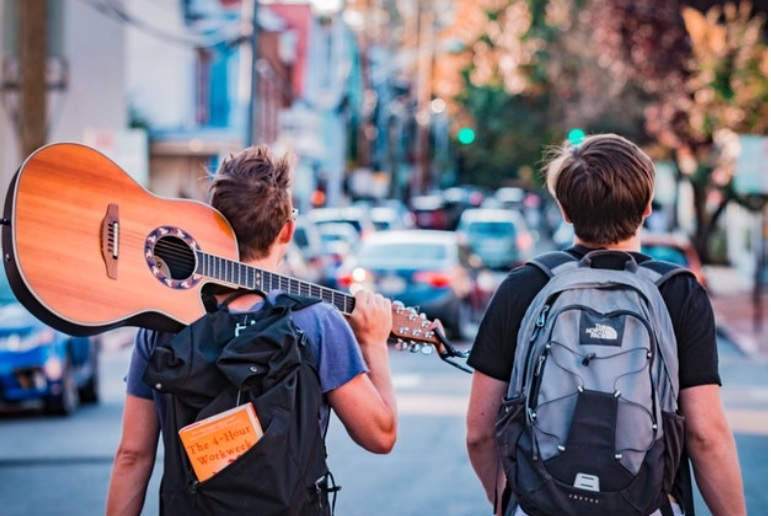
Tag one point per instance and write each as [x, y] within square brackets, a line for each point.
[39, 365]
[424, 269]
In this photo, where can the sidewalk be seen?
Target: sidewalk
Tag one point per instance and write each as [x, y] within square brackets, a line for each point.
[742, 319]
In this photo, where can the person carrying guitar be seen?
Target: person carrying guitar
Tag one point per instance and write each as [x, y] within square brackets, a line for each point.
[252, 190]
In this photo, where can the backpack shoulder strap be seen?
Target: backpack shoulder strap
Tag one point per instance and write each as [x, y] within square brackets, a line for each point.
[550, 263]
[659, 271]
[295, 301]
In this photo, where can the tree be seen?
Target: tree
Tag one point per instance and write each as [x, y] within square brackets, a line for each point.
[725, 93]
[488, 85]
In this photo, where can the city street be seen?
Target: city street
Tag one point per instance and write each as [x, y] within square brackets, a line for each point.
[53, 466]
[417, 149]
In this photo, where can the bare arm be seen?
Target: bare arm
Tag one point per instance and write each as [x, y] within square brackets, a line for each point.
[367, 404]
[712, 450]
[134, 459]
[484, 401]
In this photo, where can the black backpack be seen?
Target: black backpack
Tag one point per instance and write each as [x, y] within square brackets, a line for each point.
[590, 423]
[223, 360]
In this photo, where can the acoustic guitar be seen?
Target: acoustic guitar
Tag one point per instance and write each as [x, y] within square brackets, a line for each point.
[87, 249]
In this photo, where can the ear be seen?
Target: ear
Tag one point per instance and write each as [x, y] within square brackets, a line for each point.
[648, 208]
[287, 230]
[564, 215]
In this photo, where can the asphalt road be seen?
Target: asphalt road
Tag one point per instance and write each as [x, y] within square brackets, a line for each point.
[61, 466]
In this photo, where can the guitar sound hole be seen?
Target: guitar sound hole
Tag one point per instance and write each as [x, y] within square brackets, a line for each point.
[177, 257]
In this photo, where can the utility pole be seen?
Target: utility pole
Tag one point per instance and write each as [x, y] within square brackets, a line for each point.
[33, 49]
[425, 46]
[252, 122]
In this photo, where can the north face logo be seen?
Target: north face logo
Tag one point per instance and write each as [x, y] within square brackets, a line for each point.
[603, 332]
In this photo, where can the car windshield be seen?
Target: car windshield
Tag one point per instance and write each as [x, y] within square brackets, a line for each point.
[402, 251]
[355, 223]
[665, 253]
[498, 229]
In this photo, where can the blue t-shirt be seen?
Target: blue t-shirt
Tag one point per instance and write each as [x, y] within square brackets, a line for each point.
[338, 355]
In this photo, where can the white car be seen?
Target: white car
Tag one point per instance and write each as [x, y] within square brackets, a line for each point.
[499, 238]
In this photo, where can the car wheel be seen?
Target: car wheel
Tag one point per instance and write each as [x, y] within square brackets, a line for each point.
[89, 392]
[66, 401]
[460, 328]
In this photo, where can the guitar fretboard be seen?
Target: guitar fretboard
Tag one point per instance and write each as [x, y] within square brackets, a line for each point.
[246, 276]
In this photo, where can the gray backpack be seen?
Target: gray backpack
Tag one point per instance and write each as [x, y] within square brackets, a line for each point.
[590, 423]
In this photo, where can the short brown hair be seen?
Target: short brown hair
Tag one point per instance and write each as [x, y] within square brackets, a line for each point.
[604, 186]
[252, 190]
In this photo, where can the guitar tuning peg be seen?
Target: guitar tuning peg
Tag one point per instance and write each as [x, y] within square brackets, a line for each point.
[423, 315]
[398, 306]
[427, 349]
[415, 347]
[400, 345]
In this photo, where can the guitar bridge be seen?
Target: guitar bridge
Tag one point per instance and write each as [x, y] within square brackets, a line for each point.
[110, 234]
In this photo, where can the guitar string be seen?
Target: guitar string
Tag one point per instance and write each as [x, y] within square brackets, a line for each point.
[182, 255]
[179, 253]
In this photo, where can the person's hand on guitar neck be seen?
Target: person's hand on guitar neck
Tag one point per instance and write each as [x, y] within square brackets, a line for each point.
[371, 320]
[367, 404]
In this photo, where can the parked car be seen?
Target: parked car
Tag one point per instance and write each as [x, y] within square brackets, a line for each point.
[338, 240]
[500, 238]
[457, 199]
[429, 211]
[356, 216]
[528, 203]
[425, 269]
[309, 245]
[40, 365]
[388, 213]
[390, 217]
[675, 248]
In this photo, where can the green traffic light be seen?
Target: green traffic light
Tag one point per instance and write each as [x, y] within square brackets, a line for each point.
[576, 136]
[466, 135]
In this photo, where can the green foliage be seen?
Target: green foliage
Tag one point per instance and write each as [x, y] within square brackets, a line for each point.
[510, 134]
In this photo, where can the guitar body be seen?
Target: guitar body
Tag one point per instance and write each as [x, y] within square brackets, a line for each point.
[79, 245]
[87, 249]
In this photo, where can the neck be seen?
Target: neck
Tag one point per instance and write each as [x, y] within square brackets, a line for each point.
[629, 245]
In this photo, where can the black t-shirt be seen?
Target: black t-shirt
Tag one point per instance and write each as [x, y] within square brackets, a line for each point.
[689, 308]
[686, 300]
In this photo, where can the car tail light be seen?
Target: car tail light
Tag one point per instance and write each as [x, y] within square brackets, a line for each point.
[357, 275]
[345, 280]
[524, 240]
[434, 278]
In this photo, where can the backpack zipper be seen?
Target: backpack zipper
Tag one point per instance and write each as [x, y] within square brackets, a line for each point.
[539, 325]
[529, 412]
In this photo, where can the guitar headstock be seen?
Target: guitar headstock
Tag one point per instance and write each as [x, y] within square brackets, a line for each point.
[411, 330]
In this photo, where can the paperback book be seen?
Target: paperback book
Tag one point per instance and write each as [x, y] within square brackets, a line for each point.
[213, 443]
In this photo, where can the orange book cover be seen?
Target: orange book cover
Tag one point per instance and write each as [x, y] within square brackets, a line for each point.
[213, 443]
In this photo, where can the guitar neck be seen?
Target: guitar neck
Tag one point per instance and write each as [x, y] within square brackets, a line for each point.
[231, 272]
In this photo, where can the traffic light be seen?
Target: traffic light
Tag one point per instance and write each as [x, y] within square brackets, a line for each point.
[576, 136]
[466, 135]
